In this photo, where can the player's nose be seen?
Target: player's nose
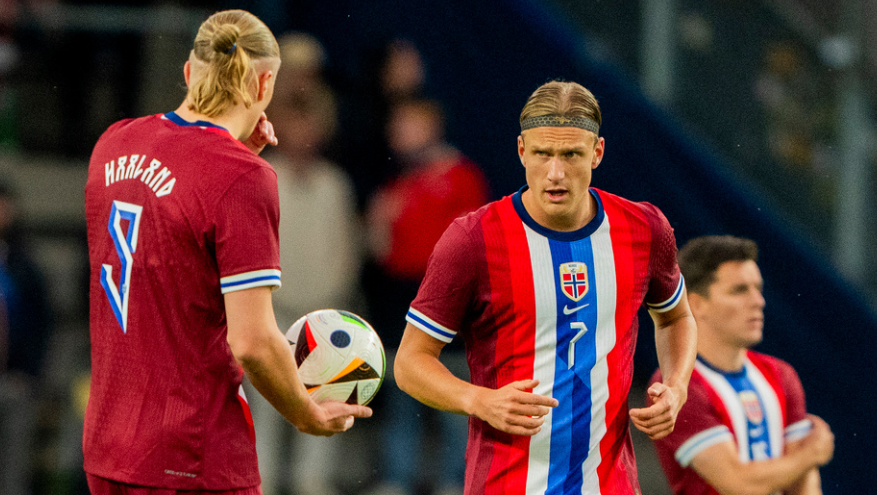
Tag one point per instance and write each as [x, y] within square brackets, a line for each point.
[555, 169]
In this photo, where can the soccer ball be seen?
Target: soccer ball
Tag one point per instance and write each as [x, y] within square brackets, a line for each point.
[339, 356]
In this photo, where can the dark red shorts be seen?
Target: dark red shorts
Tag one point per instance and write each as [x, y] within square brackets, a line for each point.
[103, 486]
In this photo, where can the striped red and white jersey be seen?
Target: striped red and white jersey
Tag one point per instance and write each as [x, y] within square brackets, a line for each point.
[559, 307]
[760, 408]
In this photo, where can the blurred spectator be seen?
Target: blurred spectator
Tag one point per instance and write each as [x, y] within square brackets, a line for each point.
[798, 129]
[405, 219]
[25, 326]
[9, 56]
[303, 59]
[789, 94]
[393, 71]
[319, 251]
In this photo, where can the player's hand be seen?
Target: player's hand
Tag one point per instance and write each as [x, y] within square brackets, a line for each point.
[329, 418]
[514, 408]
[658, 419]
[820, 441]
[262, 135]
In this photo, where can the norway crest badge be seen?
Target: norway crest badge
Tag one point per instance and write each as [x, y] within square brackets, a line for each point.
[751, 406]
[574, 280]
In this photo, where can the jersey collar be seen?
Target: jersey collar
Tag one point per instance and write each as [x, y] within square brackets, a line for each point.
[176, 119]
[575, 235]
[730, 374]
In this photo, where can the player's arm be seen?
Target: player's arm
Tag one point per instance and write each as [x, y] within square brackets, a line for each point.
[720, 466]
[820, 437]
[809, 484]
[262, 350]
[420, 373]
[676, 344]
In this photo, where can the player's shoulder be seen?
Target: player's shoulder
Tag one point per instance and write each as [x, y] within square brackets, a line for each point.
[472, 220]
[772, 365]
[136, 124]
[639, 209]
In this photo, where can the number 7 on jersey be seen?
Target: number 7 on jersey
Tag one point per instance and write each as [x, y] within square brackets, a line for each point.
[126, 245]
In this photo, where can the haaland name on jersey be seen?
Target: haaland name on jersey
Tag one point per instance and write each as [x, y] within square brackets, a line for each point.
[131, 167]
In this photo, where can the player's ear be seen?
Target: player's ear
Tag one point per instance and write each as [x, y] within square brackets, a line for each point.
[521, 147]
[187, 72]
[696, 303]
[264, 81]
[599, 148]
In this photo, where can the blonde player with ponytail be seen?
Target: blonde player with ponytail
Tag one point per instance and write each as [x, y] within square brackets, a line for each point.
[182, 219]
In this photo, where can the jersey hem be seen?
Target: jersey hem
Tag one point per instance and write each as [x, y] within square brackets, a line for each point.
[696, 444]
[429, 326]
[670, 303]
[798, 430]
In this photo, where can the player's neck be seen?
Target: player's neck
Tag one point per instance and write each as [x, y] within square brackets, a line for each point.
[233, 120]
[723, 356]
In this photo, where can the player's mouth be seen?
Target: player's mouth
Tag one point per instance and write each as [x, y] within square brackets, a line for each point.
[556, 194]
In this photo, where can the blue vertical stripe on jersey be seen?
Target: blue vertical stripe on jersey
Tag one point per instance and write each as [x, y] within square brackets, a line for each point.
[758, 433]
[572, 420]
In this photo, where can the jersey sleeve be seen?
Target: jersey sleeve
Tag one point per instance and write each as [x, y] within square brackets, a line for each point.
[666, 284]
[448, 286]
[247, 243]
[798, 425]
[698, 426]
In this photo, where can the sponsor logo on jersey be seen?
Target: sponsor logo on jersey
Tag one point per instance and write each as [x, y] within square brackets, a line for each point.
[568, 311]
[752, 406]
[574, 280]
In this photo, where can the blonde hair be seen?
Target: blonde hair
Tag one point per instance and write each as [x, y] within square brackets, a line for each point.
[229, 43]
[563, 99]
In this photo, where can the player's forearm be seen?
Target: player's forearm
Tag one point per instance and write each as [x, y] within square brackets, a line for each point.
[779, 474]
[257, 344]
[676, 345]
[763, 477]
[270, 367]
[809, 484]
[422, 376]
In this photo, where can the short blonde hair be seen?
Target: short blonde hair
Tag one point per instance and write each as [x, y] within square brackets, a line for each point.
[563, 99]
[229, 43]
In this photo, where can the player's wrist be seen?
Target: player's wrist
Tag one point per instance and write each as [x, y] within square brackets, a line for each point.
[473, 400]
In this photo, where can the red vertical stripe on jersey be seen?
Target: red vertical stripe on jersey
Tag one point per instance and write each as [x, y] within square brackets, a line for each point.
[511, 281]
[631, 264]
[716, 401]
[770, 374]
[251, 429]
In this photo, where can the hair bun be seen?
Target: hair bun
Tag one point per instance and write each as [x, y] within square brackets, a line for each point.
[225, 37]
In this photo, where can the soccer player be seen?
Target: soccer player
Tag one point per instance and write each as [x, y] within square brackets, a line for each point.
[544, 287]
[182, 232]
[744, 429]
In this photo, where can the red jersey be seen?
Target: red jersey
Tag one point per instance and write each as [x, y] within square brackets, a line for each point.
[759, 408]
[178, 214]
[420, 205]
[559, 307]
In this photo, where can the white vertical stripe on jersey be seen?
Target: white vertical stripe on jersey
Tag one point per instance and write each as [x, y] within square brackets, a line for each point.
[732, 404]
[773, 415]
[544, 359]
[604, 275]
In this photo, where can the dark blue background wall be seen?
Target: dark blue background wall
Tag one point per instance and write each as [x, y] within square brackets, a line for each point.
[485, 57]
